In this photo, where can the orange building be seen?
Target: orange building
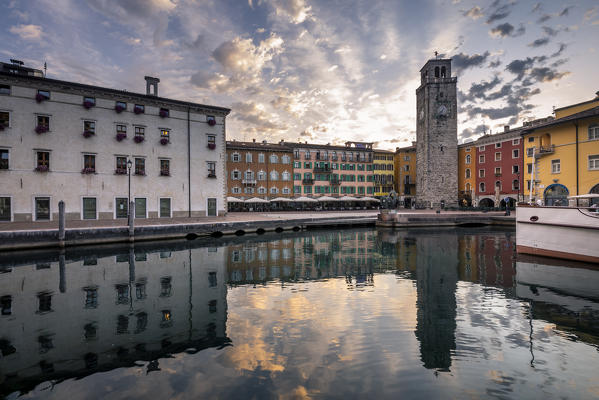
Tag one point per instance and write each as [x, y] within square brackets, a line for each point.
[405, 174]
[466, 175]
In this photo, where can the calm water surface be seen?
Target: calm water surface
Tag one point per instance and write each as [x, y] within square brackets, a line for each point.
[326, 314]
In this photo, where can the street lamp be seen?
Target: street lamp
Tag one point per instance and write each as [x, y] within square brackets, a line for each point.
[129, 164]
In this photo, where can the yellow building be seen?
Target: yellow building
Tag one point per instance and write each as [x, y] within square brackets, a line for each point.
[563, 154]
[383, 178]
[466, 173]
[405, 174]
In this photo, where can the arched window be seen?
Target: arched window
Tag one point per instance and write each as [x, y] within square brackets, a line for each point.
[556, 195]
[286, 190]
[482, 187]
[274, 176]
[498, 184]
[515, 184]
[436, 72]
[274, 158]
[467, 173]
[235, 175]
[235, 157]
[285, 159]
[274, 190]
[443, 72]
[468, 159]
[286, 176]
[261, 175]
[467, 187]
[262, 190]
[249, 174]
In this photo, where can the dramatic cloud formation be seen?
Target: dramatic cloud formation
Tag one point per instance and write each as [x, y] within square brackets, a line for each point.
[314, 69]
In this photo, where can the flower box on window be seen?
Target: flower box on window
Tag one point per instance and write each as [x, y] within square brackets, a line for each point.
[138, 109]
[41, 129]
[120, 171]
[139, 139]
[40, 97]
[165, 172]
[163, 113]
[212, 122]
[88, 170]
[121, 136]
[87, 104]
[41, 168]
[119, 108]
[211, 146]
[164, 141]
[87, 134]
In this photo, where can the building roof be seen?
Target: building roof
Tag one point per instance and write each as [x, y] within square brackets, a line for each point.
[578, 104]
[325, 146]
[408, 148]
[64, 86]
[235, 145]
[383, 151]
[591, 112]
[497, 137]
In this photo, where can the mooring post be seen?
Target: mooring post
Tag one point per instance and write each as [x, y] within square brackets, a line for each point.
[61, 224]
[62, 283]
[131, 221]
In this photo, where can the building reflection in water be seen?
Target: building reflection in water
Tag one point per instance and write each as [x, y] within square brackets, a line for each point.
[70, 315]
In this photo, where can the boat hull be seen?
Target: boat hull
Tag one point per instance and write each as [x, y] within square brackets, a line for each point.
[569, 233]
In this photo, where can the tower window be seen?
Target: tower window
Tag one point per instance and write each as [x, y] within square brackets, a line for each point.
[436, 72]
[443, 72]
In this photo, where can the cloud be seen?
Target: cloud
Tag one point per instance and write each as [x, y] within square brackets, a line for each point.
[27, 32]
[296, 10]
[495, 64]
[565, 11]
[544, 18]
[479, 90]
[242, 56]
[539, 42]
[123, 10]
[546, 74]
[507, 29]
[255, 114]
[468, 133]
[536, 7]
[474, 13]
[550, 31]
[590, 13]
[499, 13]
[463, 61]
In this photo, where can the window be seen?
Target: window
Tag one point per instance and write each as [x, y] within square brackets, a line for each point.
[593, 132]
[594, 162]
[140, 166]
[274, 176]
[91, 297]
[406, 158]
[166, 287]
[4, 89]
[515, 153]
[165, 208]
[4, 159]
[498, 156]
[121, 207]
[467, 173]
[120, 105]
[236, 190]
[89, 208]
[481, 158]
[498, 184]
[44, 302]
[140, 208]
[89, 128]
[121, 130]
[515, 169]
[274, 159]
[140, 131]
[285, 159]
[4, 120]
[89, 102]
[297, 189]
[482, 187]
[531, 139]
[139, 109]
[165, 167]
[261, 157]
[481, 173]
[497, 171]
[468, 159]
[248, 157]
[515, 184]
[6, 305]
[211, 169]
[89, 163]
[555, 166]
[211, 120]
[286, 176]
[236, 157]
[249, 175]
[235, 175]
[43, 124]
[164, 112]
[261, 176]
[274, 190]
[43, 161]
[211, 141]
[286, 190]
[5, 209]
[261, 190]
[529, 168]
[44, 93]
[407, 168]
[165, 133]
[515, 142]
[121, 165]
[307, 155]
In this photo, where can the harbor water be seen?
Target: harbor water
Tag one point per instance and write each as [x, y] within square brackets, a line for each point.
[362, 313]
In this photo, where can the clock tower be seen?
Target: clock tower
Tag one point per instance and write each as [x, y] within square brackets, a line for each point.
[436, 136]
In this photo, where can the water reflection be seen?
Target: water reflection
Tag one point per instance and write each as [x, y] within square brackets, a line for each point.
[360, 313]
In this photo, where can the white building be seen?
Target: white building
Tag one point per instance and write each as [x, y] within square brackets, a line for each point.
[69, 141]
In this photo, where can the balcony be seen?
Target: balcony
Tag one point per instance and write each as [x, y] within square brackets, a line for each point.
[325, 168]
[308, 181]
[335, 182]
[541, 151]
[251, 182]
[498, 174]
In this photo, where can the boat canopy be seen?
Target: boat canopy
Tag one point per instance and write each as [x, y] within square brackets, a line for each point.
[585, 196]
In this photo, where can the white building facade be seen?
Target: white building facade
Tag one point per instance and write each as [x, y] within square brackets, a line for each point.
[78, 143]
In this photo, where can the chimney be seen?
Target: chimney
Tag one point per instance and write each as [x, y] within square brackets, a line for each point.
[151, 83]
[264, 141]
[254, 140]
[506, 128]
[597, 95]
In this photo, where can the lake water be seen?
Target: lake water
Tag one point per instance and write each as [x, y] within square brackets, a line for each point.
[326, 314]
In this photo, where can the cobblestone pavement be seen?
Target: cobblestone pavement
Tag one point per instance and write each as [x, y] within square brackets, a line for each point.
[230, 217]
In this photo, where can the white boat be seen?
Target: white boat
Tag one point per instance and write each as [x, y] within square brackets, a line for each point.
[564, 232]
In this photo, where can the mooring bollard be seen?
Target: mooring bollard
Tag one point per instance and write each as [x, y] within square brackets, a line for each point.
[131, 263]
[131, 224]
[62, 283]
[61, 224]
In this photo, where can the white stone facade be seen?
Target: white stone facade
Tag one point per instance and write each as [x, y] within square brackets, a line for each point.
[193, 143]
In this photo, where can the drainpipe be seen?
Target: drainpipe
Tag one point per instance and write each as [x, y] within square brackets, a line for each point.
[577, 188]
[188, 162]
[532, 177]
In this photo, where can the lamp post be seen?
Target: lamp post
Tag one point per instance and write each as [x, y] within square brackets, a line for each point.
[129, 164]
[519, 183]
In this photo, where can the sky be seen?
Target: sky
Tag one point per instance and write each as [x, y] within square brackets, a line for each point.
[322, 71]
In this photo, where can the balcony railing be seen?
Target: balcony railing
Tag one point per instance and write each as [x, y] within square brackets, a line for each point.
[322, 169]
[248, 181]
[541, 151]
[335, 182]
[308, 181]
[497, 174]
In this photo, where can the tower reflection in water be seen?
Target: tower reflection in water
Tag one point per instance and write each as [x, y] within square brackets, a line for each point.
[71, 315]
